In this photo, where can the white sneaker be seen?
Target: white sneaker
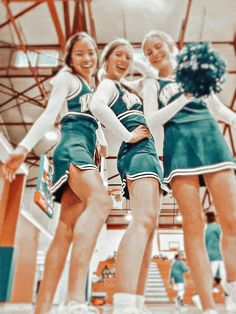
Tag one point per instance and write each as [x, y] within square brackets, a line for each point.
[180, 306]
[230, 289]
[144, 310]
[62, 309]
[77, 308]
[128, 310]
[230, 305]
[197, 302]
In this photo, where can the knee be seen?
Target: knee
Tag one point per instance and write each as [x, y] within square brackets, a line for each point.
[64, 232]
[194, 224]
[148, 222]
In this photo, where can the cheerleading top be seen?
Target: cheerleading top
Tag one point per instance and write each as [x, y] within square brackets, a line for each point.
[63, 102]
[166, 103]
[120, 109]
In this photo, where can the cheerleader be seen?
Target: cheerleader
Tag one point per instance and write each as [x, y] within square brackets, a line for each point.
[121, 110]
[78, 186]
[195, 153]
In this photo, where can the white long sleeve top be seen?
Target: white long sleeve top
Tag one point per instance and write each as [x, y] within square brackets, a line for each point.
[64, 85]
[156, 117]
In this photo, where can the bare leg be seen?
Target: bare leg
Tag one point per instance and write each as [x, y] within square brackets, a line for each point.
[145, 266]
[146, 261]
[144, 203]
[71, 209]
[222, 185]
[89, 188]
[186, 192]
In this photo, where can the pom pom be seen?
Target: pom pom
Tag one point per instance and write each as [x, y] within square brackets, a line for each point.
[200, 70]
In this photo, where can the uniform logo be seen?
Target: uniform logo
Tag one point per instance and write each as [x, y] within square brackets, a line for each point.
[130, 99]
[168, 92]
[85, 101]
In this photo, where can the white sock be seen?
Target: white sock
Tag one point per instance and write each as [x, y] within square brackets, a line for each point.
[124, 300]
[140, 300]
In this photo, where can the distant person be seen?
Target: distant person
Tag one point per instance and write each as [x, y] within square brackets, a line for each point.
[177, 271]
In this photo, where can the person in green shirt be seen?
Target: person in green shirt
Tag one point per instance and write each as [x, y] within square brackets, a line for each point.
[212, 241]
[177, 271]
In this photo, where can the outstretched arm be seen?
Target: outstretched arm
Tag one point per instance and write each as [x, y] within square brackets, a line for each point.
[220, 111]
[42, 125]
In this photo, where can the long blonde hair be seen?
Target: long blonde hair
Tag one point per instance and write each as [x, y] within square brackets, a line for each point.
[107, 51]
[165, 38]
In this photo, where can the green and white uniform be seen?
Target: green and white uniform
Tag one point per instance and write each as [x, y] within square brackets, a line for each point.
[137, 160]
[70, 97]
[78, 137]
[193, 143]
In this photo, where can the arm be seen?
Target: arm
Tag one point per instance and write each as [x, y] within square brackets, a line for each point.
[48, 117]
[102, 143]
[44, 123]
[154, 116]
[104, 94]
[145, 70]
[220, 111]
[135, 85]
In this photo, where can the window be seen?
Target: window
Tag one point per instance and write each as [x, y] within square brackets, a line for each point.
[41, 58]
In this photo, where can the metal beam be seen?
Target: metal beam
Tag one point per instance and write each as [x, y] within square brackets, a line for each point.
[23, 92]
[91, 20]
[23, 47]
[79, 24]
[100, 45]
[21, 13]
[67, 18]
[16, 93]
[16, 123]
[184, 26]
[57, 24]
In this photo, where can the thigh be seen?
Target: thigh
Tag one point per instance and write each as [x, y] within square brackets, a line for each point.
[71, 208]
[144, 196]
[222, 186]
[187, 193]
[85, 183]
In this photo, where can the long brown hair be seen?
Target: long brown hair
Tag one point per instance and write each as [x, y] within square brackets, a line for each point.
[70, 44]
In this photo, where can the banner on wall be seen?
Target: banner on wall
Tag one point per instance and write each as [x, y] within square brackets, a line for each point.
[43, 197]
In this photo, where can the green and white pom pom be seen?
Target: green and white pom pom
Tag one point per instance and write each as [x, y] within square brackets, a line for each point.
[200, 70]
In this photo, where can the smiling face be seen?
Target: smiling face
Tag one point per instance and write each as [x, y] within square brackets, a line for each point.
[158, 53]
[119, 62]
[84, 58]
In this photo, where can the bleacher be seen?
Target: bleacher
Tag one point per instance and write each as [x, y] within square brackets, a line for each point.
[104, 288]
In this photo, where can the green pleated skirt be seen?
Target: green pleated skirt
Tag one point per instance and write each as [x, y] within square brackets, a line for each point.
[195, 148]
[77, 147]
[139, 160]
